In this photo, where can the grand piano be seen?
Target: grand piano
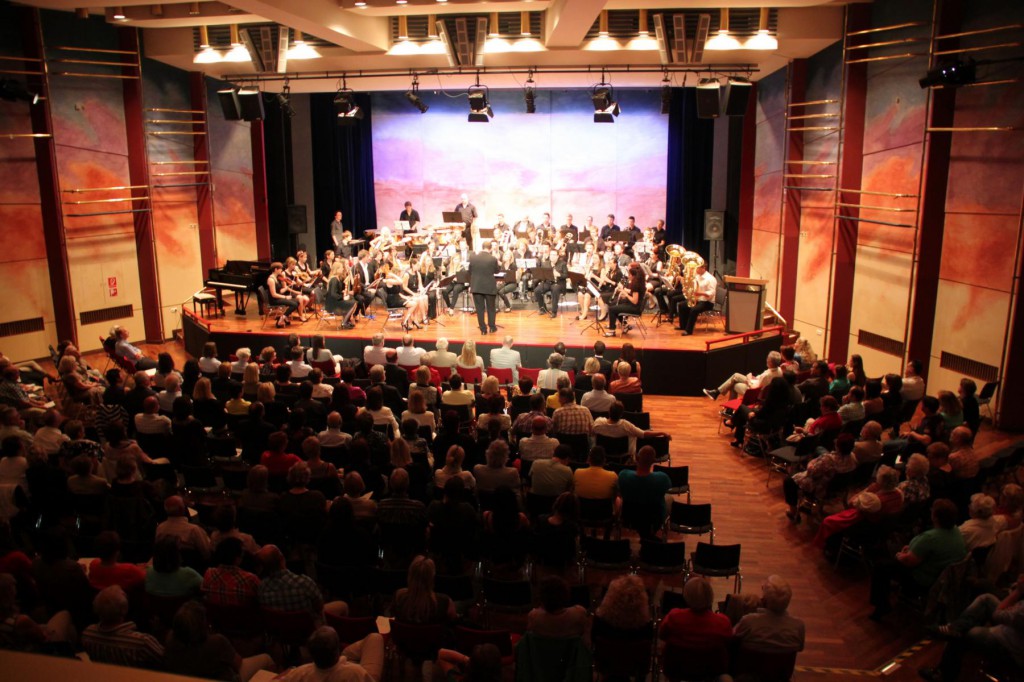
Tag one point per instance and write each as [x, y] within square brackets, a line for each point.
[242, 277]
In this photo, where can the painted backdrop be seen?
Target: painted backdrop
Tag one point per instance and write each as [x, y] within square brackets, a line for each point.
[556, 160]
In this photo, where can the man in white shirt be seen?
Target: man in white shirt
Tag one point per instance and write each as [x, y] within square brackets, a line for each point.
[333, 435]
[688, 311]
[598, 399]
[913, 383]
[539, 445]
[150, 421]
[506, 358]
[737, 384]
[49, 438]
[362, 661]
[409, 355]
[299, 368]
[172, 391]
[442, 357]
[376, 353]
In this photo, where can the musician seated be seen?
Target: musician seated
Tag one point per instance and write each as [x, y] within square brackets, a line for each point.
[706, 287]
[279, 294]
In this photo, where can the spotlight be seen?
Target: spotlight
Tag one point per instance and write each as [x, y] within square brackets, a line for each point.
[605, 108]
[955, 74]
[345, 106]
[479, 108]
[530, 96]
[284, 101]
[13, 91]
[119, 14]
[666, 94]
[413, 95]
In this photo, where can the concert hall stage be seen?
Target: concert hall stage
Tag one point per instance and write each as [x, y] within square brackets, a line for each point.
[672, 364]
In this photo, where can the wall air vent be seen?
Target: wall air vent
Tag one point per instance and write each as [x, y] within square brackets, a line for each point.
[106, 314]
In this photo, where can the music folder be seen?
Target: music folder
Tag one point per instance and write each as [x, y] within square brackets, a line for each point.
[543, 273]
[526, 263]
[402, 225]
[445, 281]
[576, 278]
[462, 276]
[452, 217]
[620, 236]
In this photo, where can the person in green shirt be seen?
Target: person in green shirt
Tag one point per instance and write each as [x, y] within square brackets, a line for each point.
[918, 565]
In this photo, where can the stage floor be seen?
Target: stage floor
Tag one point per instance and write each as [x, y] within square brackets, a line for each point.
[526, 326]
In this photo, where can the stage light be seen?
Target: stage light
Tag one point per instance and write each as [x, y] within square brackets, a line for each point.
[193, 9]
[118, 14]
[413, 95]
[300, 49]
[14, 91]
[605, 108]
[284, 101]
[479, 108]
[206, 54]
[530, 95]
[953, 75]
[238, 51]
[723, 40]
[345, 106]
[666, 94]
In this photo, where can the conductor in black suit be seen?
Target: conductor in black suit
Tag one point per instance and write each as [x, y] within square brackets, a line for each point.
[482, 268]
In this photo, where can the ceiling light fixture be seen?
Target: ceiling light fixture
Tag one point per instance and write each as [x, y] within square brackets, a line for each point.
[82, 12]
[118, 14]
[413, 95]
[603, 42]
[644, 40]
[763, 40]
[722, 40]
[156, 10]
[193, 9]
[206, 54]
[300, 49]
[360, 4]
[238, 51]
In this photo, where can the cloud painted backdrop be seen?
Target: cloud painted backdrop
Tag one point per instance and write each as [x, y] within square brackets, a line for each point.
[556, 160]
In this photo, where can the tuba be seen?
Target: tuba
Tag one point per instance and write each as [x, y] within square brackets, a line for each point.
[684, 264]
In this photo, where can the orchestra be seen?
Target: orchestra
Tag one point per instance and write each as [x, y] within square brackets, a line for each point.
[417, 270]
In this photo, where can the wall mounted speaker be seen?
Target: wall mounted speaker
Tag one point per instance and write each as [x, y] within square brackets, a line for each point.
[296, 219]
[250, 104]
[229, 104]
[714, 225]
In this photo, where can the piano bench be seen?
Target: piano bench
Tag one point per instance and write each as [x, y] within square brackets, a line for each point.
[207, 304]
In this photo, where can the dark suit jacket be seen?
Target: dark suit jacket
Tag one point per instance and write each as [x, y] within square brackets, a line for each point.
[482, 269]
[397, 377]
[606, 368]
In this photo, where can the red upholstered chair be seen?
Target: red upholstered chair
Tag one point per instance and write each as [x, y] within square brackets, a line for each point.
[444, 372]
[529, 373]
[470, 375]
[504, 376]
[410, 370]
[328, 367]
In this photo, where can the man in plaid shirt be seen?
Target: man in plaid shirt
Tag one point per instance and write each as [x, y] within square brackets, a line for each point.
[571, 418]
[282, 590]
[227, 584]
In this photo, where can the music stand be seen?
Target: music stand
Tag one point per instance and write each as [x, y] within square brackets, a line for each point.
[540, 274]
[452, 217]
[462, 277]
[596, 324]
[619, 236]
[402, 225]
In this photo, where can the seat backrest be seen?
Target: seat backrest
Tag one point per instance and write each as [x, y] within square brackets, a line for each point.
[263, 294]
[641, 420]
[988, 390]
[531, 373]
[503, 375]
[776, 666]
[350, 630]
[694, 664]
[470, 375]
[692, 515]
[717, 557]
[598, 550]
[596, 509]
[663, 554]
[613, 447]
[633, 402]
[292, 627]
[466, 639]
[679, 476]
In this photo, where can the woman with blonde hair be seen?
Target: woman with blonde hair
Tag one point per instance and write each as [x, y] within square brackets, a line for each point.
[417, 410]
[916, 489]
[250, 381]
[453, 468]
[419, 603]
[423, 386]
[468, 359]
[624, 607]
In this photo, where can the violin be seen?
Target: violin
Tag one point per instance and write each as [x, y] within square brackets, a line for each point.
[357, 283]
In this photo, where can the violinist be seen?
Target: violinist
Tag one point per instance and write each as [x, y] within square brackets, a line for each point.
[338, 297]
[278, 294]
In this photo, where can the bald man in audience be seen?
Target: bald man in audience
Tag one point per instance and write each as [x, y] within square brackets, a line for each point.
[506, 358]
[190, 536]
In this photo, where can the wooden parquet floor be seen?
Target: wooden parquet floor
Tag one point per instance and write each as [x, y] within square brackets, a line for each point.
[832, 603]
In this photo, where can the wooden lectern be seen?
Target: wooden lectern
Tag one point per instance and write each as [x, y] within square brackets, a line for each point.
[744, 304]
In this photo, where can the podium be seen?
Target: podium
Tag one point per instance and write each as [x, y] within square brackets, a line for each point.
[744, 304]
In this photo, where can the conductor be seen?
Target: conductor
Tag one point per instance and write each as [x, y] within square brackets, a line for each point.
[482, 268]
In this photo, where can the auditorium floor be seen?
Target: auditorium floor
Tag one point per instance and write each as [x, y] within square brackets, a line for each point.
[833, 603]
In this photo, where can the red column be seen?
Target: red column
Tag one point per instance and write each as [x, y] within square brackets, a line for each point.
[204, 193]
[931, 219]
[49, 183]
[745, 235]
[259, 191]
[791, 210]
[138, 170]
[850, 172]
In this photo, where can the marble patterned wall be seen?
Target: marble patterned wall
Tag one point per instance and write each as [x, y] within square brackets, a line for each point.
[231, 165]
[769, 154]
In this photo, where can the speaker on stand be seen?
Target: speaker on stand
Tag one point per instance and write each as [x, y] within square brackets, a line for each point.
[714, 232]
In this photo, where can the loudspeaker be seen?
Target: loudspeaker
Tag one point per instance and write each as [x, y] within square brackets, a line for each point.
[296, 219]
[734, 99]
[229, 104]
[250, 104]
[708, 101]
[714, 225]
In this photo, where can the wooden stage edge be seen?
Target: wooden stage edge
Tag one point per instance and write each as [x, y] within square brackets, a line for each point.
[672, 364]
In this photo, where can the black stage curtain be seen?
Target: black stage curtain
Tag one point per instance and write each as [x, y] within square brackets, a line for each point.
[690, 156]
[277, 145]
[342, 168]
